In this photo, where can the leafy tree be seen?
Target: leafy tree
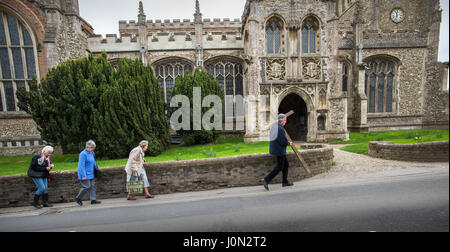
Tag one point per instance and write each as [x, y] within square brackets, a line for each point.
[184, 85]
[61, 105]
[131, 109]
[88, 99]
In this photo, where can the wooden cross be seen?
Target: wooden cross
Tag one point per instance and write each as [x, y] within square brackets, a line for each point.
[294, 148]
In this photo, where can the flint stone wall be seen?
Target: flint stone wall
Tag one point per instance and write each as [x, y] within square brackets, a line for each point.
[420, 152]
[172, 176]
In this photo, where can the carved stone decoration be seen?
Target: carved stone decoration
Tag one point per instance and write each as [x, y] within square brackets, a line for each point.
[312, 68]
[322, 99]
[154, 37]
[278, 89]
[188, 36]
[276, 69]
[210, 37]
[264, 91]
[171, 36]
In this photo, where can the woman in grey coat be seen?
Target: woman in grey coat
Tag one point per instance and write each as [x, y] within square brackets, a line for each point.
[135, 168]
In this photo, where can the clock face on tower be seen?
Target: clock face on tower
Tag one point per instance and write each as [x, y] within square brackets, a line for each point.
[397, 15]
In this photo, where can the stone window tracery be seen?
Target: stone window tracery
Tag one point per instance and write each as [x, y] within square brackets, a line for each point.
[17, 59]
[379, 85]
[275, 36]
[345, 75]
[166, 73]
[229, 74]
[310, 35]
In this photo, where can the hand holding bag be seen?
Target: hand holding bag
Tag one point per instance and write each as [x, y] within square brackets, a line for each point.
[135, 185]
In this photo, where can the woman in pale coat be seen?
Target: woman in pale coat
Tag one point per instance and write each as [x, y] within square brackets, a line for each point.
[135, 168]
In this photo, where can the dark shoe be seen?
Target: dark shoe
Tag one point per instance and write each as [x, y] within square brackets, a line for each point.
[287, 184]
[95, 202]
[130, 197]
[45, 201]
[80, 203]
[266, 185]
[149, 196]
[35, 202]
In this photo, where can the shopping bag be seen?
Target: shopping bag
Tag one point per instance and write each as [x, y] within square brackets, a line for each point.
[135, 186]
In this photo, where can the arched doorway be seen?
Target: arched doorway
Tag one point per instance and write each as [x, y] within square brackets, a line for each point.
[297, 124]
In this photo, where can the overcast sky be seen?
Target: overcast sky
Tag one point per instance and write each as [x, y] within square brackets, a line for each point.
[104, 15]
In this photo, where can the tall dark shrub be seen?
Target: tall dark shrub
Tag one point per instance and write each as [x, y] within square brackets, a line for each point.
[62, 104]
[209, 86]
[87, 99]
[130, 110]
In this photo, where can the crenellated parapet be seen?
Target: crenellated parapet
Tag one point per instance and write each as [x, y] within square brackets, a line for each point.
[131, 26]
[168, 40]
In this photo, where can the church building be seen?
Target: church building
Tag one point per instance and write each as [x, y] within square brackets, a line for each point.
[342, 65]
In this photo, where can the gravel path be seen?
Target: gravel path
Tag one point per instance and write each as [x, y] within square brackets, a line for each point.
[357, 165]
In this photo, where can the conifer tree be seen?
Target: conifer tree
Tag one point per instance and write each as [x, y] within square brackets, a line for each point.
[87, 99]
[184, 85]
[130, 110]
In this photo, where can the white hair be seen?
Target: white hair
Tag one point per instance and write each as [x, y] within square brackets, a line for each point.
[90, 144]
[47, 149]
[281, 117]
[143, 143]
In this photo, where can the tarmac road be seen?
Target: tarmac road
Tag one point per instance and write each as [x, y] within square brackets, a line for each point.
[404, 200]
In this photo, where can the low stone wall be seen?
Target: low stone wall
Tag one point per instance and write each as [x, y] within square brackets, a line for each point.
[420, 152]
[172, 176]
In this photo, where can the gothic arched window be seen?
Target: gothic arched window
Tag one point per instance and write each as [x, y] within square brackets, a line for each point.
[380, 76]
[345, 75]
[17, 59]
[275, 36]
[166, 73]
[310, 35]
[230, 76]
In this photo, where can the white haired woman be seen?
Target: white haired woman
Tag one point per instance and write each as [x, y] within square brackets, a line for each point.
[86, 165]
[135, 168]
[39, 171]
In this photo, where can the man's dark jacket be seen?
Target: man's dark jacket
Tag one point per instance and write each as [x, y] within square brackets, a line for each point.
[278, 140]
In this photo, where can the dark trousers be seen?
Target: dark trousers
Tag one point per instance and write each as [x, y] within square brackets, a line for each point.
[282, 165]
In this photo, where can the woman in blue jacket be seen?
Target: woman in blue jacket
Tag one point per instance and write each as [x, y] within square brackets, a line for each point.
[86, 165]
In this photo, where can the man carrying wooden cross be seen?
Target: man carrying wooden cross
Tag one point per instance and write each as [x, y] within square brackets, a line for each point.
[278, 144]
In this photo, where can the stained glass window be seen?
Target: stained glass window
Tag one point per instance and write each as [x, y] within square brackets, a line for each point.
[389, 92]
[381, 85]
[344, 77]
[373, 79]
[310, 32]
[277, 40]
[166, 73]
[9, 95]
[17, 59]
[230, 85]
[304, 40]
[274, 36]
[380, 100]
[230, 77]
[269, 40]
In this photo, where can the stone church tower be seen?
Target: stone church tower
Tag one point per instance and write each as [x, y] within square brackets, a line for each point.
[345, 65]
